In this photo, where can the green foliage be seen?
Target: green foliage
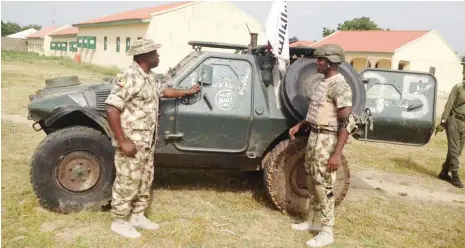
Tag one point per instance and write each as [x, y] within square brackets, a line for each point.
[362, 23]
[11, 28]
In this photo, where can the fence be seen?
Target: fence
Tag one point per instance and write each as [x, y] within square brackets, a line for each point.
[14, 44]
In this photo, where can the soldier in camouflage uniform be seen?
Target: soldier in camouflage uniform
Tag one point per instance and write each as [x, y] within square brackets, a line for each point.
[132, 112]
[331, 121]
[453, 120]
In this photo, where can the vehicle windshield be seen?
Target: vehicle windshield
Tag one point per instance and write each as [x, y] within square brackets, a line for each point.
[181, 65]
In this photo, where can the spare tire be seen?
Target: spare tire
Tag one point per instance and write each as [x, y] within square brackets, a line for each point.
[302, 76]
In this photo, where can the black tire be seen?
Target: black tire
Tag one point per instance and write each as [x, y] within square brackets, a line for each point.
[82, 144]
[284, 176]
[302, 76]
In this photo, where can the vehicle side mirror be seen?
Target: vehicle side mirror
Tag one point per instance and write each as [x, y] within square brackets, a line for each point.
[205, 75]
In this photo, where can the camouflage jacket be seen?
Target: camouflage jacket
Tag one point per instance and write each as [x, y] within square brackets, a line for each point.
[328, 96]
[136, 94]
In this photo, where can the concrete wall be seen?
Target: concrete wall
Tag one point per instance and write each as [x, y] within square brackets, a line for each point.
[14, 44]
[110, 57]
[360, 60]
[66, 53]
[204, 21]
[432, 51]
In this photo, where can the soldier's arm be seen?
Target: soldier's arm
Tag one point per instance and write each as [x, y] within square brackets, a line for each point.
[344, 109]
[164, 91]
[342, 134]
[117, 100]
[449, 104]
[175, 93]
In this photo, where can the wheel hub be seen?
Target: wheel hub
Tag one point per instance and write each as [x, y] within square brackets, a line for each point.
[78, 171]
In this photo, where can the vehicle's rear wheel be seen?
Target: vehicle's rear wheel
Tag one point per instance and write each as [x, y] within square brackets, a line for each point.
[285, 178]
[72, 169]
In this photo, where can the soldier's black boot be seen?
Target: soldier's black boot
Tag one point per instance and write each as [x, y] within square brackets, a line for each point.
[444, 175]
[456, 180]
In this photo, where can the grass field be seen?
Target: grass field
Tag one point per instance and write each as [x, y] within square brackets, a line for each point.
[228, 209]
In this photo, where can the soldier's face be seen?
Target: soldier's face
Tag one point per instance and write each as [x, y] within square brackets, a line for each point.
[322, 65]
[153, 59]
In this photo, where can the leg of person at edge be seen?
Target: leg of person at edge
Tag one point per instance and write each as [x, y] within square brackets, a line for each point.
[132, 112]
[453, 120]
[331, 122]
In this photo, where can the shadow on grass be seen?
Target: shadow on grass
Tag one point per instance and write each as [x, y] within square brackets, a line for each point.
[221, 181]
[414, 166]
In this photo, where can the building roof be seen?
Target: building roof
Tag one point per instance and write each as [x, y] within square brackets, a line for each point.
[371, 40]
[22, 34]
[65, 32]
[304, 43]
[44, 31]
[137, 14]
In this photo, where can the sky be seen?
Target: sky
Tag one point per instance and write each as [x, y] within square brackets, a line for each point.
[306, 18]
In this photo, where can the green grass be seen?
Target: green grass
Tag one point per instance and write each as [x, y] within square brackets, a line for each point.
[66, 62]
[191, 206]
[25, 75]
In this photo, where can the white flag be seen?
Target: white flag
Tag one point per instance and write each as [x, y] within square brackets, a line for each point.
[277, 30]
[277, 33]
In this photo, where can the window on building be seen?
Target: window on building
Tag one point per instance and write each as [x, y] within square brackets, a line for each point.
[128, 43]
[400, 67]
[117, 44]
[105, 43]
[139, 38]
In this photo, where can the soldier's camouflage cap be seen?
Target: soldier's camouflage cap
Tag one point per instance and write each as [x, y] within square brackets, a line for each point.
[143, 46]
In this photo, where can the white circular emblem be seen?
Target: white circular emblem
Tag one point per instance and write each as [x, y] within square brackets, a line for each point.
[225, 99]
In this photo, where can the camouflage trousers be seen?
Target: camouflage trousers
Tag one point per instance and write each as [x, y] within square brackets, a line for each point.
[319, 181]
[455, 130]
[134, 177]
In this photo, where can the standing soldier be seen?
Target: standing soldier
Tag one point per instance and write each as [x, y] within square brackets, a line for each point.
[331, 121]
[132, 112]
[453, 120]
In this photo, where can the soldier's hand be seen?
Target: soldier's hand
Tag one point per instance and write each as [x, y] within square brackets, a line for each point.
[439, 128]
[129, 149]
[334, 162]
[293, 131]
[194, 89]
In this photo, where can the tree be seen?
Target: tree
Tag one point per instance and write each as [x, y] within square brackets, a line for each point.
[11, 28]
[327, 31]
[34, 26]
[362, 23]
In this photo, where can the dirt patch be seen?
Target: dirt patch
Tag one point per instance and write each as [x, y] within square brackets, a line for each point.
[51, 226]
[406, 186]
[69, 234]
[19, 119]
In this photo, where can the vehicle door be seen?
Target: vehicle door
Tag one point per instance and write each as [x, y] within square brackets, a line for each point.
[218, 119]
[402, 105]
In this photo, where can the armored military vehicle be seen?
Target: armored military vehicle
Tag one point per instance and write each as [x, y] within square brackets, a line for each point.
[238, 121]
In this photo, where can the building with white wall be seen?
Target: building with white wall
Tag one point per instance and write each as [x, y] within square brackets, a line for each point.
[63, 42]
[39, 42]
[423, 51]
[104, 41]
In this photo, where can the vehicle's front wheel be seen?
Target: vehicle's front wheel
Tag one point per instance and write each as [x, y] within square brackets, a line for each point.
[285, 177]
[72, 169]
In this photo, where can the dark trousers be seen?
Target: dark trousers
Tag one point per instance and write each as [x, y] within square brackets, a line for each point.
[455, 130]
